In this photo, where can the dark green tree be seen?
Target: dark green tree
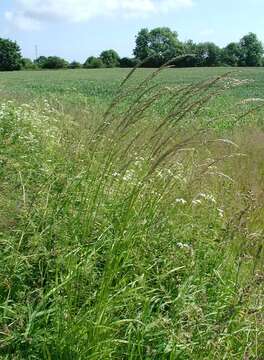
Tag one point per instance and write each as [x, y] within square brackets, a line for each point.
[27, 64]
[126, 62]
[74, 65]
[161, 44]
[93, 63]
[142, 50]
[231, 54]
[189, 47]
[251, 50]
[10, 55]
[208, 54]
[54, 62]
[189, 58]
[40, 61]
[110, 58]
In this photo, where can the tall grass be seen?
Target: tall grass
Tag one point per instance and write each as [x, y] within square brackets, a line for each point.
[126, 235]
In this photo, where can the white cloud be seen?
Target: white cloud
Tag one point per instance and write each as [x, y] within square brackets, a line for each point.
[21, 21]
[29, 14]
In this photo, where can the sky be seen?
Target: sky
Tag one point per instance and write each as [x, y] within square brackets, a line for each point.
[76, 29]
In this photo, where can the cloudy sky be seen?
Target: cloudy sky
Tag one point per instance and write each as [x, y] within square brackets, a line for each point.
[76, 29]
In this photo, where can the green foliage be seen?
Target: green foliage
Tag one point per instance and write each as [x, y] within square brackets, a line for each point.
[93, 63]
[54, 62]
[248, 52]
[189, 58]
[231, 54]
[28, 64]
[251, 50]
[74, 65]
[208, 54]
[40, 61]
[110, 58]
[51, 62]
[153, 48]
[161, 44]
[126, 62]
[10, 55]
[141, 50]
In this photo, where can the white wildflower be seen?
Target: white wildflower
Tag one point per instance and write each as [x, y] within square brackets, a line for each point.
[208, 197]
[196, 202]
[181, 201]
[129, 175]
[160, 174]
[204, 196]
[220, 212]
[184, 246]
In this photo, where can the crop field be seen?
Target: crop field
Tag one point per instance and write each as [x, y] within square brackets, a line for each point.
[132, 214]
[96, 88]
[102, 83]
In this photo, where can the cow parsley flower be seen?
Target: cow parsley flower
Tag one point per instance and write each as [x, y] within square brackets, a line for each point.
[181, 201]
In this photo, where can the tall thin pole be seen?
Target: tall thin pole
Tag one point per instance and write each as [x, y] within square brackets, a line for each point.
[36, 52]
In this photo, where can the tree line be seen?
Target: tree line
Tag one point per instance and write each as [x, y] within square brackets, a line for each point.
[153, 48]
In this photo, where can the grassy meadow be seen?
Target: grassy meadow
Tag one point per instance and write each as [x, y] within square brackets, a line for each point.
[132, 214]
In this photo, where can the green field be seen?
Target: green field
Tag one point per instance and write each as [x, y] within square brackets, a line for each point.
[131, 218]
[97, 88]
[102, 84]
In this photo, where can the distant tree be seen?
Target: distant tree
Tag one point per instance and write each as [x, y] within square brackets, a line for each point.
[10, 55]
[126, 62]
[251, 50]
[54, 62]
[93, 63]
[186, 60]
[208, 54]
[231, 54]
[189, 47]
[40, 61]
[74, 65]
[27, 64]
[161, 44]
[189, 58]
[142, 49]
[110, 58]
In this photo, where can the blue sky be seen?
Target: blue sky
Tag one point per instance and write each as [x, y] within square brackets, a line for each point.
[76, 29]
